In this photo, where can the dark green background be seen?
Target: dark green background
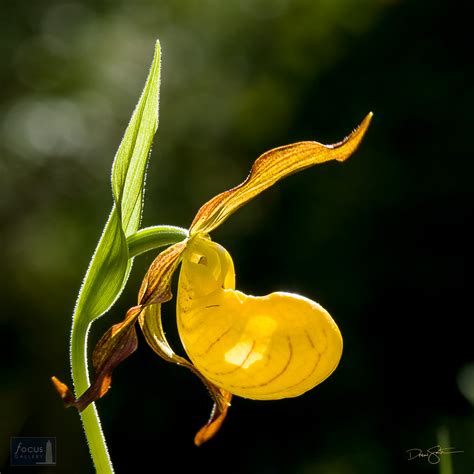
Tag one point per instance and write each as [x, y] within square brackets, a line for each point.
[382, 241]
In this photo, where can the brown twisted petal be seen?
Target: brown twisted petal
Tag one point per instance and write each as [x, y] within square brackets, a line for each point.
[120, 341]
[114, 347]
[150, 322]
[270, 168]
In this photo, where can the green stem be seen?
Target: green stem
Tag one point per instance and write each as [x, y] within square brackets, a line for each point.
[151, 238]
[142, 241]
[89, 416]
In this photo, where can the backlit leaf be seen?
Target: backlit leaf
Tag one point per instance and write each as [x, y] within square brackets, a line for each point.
[110, 265]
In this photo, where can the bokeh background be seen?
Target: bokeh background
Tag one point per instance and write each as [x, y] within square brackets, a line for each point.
[382, 241]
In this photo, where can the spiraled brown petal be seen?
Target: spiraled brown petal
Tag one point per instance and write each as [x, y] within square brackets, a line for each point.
[270, 168]
[152, 328]
[119, 342]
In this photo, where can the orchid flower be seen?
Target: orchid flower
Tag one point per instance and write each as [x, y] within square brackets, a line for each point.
[262, 348]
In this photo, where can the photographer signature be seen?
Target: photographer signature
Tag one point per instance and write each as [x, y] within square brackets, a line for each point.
[432, 455]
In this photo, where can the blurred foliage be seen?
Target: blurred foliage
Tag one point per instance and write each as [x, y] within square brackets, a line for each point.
[382, 241]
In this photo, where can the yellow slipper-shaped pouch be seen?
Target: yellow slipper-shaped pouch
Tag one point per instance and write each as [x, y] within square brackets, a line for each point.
[264, 348]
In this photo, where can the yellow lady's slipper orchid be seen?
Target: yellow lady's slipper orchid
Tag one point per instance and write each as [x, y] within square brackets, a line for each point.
[263, 348]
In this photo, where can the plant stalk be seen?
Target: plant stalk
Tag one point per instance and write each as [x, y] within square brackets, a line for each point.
[89, 417]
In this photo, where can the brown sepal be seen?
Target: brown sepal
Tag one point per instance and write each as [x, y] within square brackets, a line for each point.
[119, 342]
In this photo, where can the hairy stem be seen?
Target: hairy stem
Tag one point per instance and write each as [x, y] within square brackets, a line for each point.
[89, 416]
[151, 238]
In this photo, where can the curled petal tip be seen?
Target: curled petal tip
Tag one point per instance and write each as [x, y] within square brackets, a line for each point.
[349, 145]
[219, 412]
[63, 391]
[367, 119]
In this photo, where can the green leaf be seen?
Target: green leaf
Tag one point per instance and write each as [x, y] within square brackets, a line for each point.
[110, 265]
[128, 170]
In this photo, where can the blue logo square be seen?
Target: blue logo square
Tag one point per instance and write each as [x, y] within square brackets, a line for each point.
[33, 451]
